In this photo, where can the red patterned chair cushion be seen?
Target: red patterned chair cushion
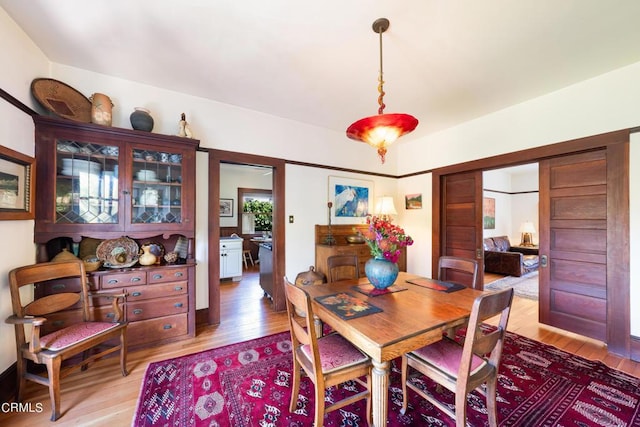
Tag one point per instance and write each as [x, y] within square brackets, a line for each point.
[73, 334]
[335, 353]
[445, 355]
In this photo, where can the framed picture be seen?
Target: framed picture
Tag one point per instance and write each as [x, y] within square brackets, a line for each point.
[226, 207]
[489, 213]
[413, 201]
[17, 175]
[352, 200]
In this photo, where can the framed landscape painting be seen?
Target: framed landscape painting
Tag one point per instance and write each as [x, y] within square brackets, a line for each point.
[489, 213]
[352, 200]
[226, 207]
[413, 201]
[16, 178]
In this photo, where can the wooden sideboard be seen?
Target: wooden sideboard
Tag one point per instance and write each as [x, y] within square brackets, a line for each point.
[341, 247]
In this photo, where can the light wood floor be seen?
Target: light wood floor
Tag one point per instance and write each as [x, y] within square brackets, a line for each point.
[100, 396]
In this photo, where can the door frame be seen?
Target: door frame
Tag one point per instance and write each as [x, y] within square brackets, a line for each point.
[278, 166]
[618, 280]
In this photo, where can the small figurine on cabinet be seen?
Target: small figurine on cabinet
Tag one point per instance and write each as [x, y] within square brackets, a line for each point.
[184, 130]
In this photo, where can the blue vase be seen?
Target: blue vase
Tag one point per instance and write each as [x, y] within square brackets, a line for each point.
[381, 272]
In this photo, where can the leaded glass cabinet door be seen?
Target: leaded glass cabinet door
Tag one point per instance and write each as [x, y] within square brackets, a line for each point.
[86, 183]
[157, 195]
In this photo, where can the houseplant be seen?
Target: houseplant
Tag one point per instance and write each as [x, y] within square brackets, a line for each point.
[384, 240]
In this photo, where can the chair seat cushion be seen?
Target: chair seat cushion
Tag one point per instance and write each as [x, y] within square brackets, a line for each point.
[74, 334]
[336, 353]
[446, 355]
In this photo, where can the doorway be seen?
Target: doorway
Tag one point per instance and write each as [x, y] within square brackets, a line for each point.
[615, 145]
[216, 159]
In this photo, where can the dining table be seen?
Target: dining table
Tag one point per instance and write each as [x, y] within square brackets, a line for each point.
[388, 324]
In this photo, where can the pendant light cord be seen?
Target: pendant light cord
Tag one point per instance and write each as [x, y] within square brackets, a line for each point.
[380, 81]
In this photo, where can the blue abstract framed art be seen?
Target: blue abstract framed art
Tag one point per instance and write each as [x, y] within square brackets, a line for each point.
[352, 200]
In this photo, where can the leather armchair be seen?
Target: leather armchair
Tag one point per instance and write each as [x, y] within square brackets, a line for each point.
[501, 258]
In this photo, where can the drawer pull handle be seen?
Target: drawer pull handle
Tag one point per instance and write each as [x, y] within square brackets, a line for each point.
[112, 281]
[167, 327]
[58, 323]
[137, 311]
[179, 274]
[157, 276]
[178, 305]
[59, 286]
[177, 288]
[111, 315]
[135, 279]
[136, 294]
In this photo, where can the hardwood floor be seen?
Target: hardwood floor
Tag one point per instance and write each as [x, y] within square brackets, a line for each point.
[100, 396]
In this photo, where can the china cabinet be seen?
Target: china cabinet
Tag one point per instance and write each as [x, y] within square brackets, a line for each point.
[111, 181]
[103, 184]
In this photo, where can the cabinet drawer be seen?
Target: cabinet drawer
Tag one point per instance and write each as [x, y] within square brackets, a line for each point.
[168, 275]
[137, 293]
[142, 310]
[59, 286]
[118, 280]
[156, 329]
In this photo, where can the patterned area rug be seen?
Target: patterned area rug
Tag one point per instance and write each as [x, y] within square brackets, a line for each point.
[525, 286]
[248, 384]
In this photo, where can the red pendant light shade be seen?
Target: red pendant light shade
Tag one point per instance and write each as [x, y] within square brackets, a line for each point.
[383, 129]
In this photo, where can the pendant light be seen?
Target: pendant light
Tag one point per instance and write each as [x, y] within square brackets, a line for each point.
[382, 129]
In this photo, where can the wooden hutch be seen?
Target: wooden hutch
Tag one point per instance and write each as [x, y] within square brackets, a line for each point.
[103, 184]
[342, 247]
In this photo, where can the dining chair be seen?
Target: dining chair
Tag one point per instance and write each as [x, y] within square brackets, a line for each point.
[40, 340]
[342, 267]
[462, 368]
[459, 270]
[327, 361]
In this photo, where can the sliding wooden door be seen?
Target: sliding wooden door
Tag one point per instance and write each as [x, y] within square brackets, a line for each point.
[584, 230]
[461, 220]
[583, 224]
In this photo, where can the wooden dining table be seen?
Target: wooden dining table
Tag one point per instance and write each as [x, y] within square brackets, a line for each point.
[409, 319]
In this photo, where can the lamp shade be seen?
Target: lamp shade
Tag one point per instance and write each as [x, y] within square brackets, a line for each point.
[527, 227]
[385, 206]
[382, 129]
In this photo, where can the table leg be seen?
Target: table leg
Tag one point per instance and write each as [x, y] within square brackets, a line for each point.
[319, 326]
[379, 388]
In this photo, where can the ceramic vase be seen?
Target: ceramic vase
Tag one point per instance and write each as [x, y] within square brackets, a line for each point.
[147, 258]
[381, 272]
[141, 119]
[101, 106]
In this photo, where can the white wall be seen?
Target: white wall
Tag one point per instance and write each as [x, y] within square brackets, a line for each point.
[307, 194]
[22, 61]
[237, 176]
[516, 196]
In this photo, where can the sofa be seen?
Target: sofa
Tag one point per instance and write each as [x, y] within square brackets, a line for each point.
[502, 258]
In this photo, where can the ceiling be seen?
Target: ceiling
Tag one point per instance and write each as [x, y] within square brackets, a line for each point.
[445, 62]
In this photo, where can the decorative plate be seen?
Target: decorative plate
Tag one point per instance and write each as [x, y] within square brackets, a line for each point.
[62, 100]
[118, 253]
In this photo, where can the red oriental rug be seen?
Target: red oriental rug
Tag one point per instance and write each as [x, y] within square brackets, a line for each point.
[248, 384]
